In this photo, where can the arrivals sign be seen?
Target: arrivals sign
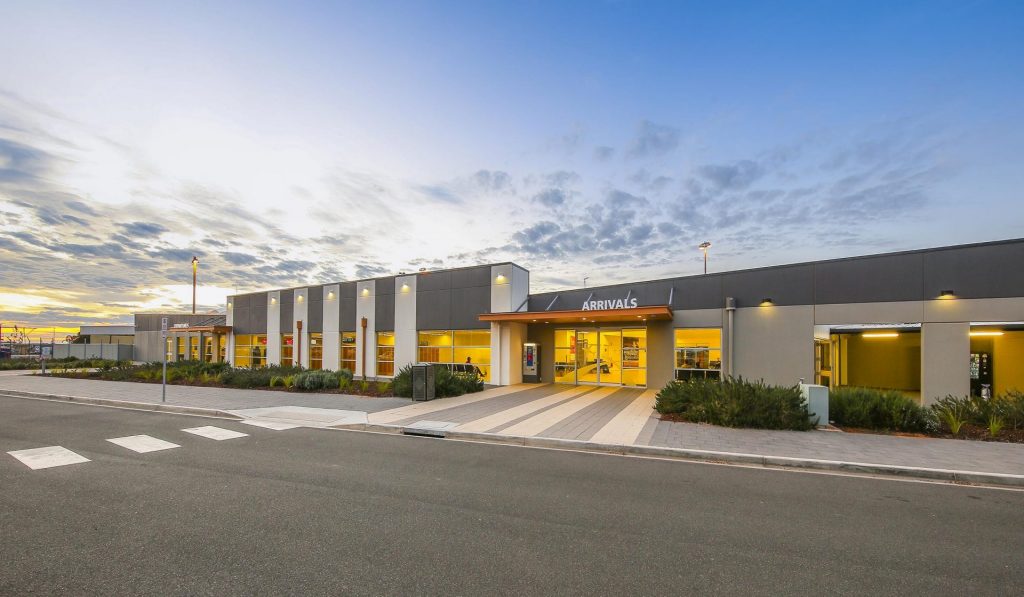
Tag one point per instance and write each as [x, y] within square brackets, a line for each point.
[626, 303]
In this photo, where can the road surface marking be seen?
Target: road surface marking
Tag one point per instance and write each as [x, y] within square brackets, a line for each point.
[546, 419]
[38, 458]
[625, 427]
[142, 443]
[275, 425]
[516, 412]
[422, 408]
[216, 433]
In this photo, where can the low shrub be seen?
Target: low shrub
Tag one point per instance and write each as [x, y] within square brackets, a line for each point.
[446, 382]
[320, 379]
[1005, 411]
[882, 410]
[735, 402]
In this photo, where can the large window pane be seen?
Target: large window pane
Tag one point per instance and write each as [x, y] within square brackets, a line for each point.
[316, 351]
[348, 351]
[698, 353]
[459, 350]
[385, 354]
[287, 349]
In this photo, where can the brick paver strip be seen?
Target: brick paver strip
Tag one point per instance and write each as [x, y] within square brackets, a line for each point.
[592, 418]
[418, 409]
[544, 420]
[626, 426]
[483, 408]
[523, 409]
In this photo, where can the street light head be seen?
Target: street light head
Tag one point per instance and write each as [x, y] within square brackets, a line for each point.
[704, 246]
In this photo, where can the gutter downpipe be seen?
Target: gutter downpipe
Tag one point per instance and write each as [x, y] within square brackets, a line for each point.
[730, 310]
[362, 323]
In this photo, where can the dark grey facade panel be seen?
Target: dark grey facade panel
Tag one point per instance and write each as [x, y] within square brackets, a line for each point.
[242, 301]
[792, 285]
[704, 292]
[315, 310]
[987, 271]
[384, 312]
[347, 307]
[872, 279]
[472, 277]
[428, 281]
[258, 319]
[467, 305]
[258, 300]
[384, 286]
[287, 302]
[150, 322]
[241, 322]
[434, 309]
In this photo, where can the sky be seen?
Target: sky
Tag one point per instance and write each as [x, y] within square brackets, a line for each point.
[304, 142]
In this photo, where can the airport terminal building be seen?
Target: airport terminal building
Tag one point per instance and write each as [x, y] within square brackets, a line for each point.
[927, 323]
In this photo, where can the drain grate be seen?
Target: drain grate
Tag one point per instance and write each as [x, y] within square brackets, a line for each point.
[429, 428]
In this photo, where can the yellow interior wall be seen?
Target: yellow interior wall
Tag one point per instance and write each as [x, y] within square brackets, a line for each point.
[890, 363]
[1008, 362]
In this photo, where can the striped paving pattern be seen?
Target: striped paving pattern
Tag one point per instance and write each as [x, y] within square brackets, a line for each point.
[516, 412]
[416, 411]
[484, 408]
[590, 420]
[627, 425]
[541, 421]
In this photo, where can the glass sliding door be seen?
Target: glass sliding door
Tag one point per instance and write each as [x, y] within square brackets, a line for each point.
[587, 356]
[609, 370]
[634, 357]
[565, 356]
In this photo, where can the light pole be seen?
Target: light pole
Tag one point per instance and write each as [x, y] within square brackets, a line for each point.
[195, 269]
[704, 246]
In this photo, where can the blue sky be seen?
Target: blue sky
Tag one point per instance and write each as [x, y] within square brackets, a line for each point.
[292, 143]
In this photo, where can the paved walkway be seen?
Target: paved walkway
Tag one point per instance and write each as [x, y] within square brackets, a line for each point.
[216, 398]
[602, 415]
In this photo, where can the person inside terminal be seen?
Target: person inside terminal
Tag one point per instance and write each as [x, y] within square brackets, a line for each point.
[928, 323]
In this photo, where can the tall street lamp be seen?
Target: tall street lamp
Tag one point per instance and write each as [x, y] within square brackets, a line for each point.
[195, 269]
[704, 246]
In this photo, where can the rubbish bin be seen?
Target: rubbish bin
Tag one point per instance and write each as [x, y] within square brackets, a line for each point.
[423, 381]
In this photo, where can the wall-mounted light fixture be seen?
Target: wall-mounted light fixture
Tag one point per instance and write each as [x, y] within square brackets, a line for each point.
[230, 304]
[273, 301]
[767, 302]
[880, 335]
[366, 292]
[299, 298]
[500, 279]
[946, 294]
[986, 333]
[330, 295]
[405, 288]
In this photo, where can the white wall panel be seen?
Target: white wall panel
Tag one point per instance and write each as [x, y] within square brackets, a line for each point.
[274, 327]
[406, 339]
[300, 312]
[332, 316]
[365, 307]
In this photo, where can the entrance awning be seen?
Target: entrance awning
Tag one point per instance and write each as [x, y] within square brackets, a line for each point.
[635, 314]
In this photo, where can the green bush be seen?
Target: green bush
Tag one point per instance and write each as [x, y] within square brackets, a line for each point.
[446, 383]
[735, 402]
[320, 379]
[254, 378]
[884, 410]
[1005, 411]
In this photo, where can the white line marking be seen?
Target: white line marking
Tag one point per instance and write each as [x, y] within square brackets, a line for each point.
[142, 443]
[216, 433]
[275, 425]
[51, 456]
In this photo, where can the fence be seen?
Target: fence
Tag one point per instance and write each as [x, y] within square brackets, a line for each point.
[113, 352]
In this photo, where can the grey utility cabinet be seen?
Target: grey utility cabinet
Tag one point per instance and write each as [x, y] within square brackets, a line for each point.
[423, 381]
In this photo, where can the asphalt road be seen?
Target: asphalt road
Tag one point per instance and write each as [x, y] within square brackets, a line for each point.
[314, 512]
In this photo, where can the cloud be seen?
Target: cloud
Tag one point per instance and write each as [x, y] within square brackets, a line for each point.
[603, 153]
[653, 140]
[493, 180]
[739, 175]
[551, 197]
[238, 258]
[142, 229]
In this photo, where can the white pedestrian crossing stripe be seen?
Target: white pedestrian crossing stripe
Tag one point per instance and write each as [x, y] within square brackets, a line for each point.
[50, 456]
[142, 443]
[275, 425]
[216, 433]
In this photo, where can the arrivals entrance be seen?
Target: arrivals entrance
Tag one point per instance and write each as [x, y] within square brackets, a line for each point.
[601, 356]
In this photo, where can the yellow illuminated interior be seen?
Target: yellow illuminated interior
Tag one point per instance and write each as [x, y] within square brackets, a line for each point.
[891, 362]
[461, 350]
[698, 353]
[287, 350]
[348, 351]
[601, 356]
[251, 350]
[385, 354]
[316, 351]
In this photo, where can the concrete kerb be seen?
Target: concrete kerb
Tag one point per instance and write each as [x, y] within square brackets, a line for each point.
[952, 476]
[156, 407]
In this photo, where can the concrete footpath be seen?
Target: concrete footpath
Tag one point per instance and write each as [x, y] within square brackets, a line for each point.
[613, 420]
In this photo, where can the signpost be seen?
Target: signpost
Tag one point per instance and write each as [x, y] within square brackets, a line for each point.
[163, 336]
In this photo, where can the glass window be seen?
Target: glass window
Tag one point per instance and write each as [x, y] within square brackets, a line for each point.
[181, 348]
[223, 339]
[193, 344]
[251, 350]
[698, 353]
[316, 351]
[385, 354]
[348, 351]
[460, 350]
[208, 349]
[287, 349]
